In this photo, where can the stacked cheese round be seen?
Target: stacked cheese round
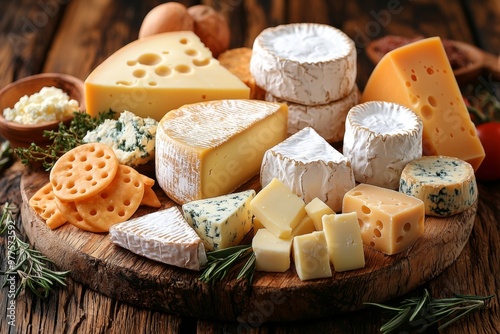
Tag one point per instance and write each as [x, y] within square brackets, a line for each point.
[380, 139]
[312, 68]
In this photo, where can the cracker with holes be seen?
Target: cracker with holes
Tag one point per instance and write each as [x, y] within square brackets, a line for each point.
[117, 202]
[68, 210]
[83, 172]
[43, 202]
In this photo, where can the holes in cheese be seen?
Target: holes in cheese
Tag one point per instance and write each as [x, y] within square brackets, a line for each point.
[154, 75]
[390, 221]
[421, 78]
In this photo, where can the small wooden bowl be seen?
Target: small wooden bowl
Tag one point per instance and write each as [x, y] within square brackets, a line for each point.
[20, 135]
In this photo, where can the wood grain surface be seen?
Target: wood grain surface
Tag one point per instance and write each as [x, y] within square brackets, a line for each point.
[74, 36]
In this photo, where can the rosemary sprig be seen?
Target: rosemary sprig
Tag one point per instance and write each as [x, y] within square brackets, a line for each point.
[426, 311]
[5, 155]
[223, 261]
[28, 266]
[63, 140]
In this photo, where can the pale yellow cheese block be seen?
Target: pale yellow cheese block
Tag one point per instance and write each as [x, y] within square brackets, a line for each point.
[159, 73]
[316, 209]
[209, 149]
[272, 254]
[419, 76]
[390, 221]
[343, 238]
[310, 255]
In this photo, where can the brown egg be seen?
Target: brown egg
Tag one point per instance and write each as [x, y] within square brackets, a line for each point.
[170, 16]
[211, 27]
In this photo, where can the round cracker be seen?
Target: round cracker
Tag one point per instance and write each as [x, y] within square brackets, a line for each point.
[83, 171]
[117, 202]
[68, 210]
[43, 201]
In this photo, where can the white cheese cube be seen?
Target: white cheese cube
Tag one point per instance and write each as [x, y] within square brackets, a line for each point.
[310, 254]
[316, 209]
[272, 254]
[343, 237]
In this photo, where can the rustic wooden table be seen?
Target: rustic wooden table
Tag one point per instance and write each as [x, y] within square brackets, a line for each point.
[75, 36]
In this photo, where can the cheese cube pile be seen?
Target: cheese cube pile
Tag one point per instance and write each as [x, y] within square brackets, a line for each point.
[319, 86]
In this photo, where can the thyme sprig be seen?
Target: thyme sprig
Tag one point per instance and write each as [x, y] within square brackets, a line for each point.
[24, 264]
[224, 261]
[62, 140]
[426, 311]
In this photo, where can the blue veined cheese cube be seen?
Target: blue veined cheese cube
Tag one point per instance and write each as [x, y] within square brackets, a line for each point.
[446, 185]
[222, 221]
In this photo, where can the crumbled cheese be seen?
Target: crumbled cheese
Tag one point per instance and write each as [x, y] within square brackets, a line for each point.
[130, 136]
[49, 104]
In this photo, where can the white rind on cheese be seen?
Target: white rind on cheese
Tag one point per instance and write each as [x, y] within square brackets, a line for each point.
[380, 139]
[446, 185]
[305, 63]
[327, 119]
[163, 236]
[310, 167]
[209, 149]
[222, 221]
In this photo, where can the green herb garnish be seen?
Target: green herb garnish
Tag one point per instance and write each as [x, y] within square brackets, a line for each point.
[63, 140]
[426, 311]
[26, 267]
[5, 155]
[222, 262]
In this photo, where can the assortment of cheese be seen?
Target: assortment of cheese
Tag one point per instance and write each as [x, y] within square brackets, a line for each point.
[315, 205]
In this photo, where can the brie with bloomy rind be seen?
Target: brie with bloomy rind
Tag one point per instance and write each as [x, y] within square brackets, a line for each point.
[153, 75]
[209, 149]
[310, 167]
[163, 236]
[446, 185]
[305, 63]
[327, 119]
[223, 221]
[380, 139]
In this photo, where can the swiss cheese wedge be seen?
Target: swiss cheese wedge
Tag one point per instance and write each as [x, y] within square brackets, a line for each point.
[156, 74]
[419, 76]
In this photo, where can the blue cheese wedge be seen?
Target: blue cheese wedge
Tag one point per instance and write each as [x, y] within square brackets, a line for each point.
[163, 236]
[221, 221]
[446, 185]
[130, 136]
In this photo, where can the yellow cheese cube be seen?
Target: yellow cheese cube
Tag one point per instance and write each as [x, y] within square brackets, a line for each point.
[316, 209]
[305, 226]
[159, 73]
[343, 237]
[419, 76]
[278, 209]
[390, 221]
[272, 254]
[310, 255]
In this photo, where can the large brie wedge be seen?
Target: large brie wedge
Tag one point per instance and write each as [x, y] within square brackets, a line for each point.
[164, 236]
[305, 63]
[209, 149]
[380, 139]
[310, 167]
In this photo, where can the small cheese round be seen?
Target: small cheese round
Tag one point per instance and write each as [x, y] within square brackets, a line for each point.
[305, 63]
[446, 185]
[380, 139]
[327, 119]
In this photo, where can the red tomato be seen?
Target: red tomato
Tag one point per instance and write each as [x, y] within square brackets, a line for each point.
[489, 134]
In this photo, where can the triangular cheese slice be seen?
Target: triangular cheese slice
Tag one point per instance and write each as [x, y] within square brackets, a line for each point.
[419, 76]
[156, 74]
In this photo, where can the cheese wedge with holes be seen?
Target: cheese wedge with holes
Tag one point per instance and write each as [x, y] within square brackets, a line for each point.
[419, 76]
[446, 185]
[390, 221]
[163, 236]
[156, 74]
[209, 149]
[380, 139]
[305, 63]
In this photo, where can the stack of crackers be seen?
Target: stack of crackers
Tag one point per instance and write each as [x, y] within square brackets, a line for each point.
[91, 190]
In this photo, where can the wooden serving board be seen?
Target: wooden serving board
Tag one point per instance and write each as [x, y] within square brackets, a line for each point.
[118, 273]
